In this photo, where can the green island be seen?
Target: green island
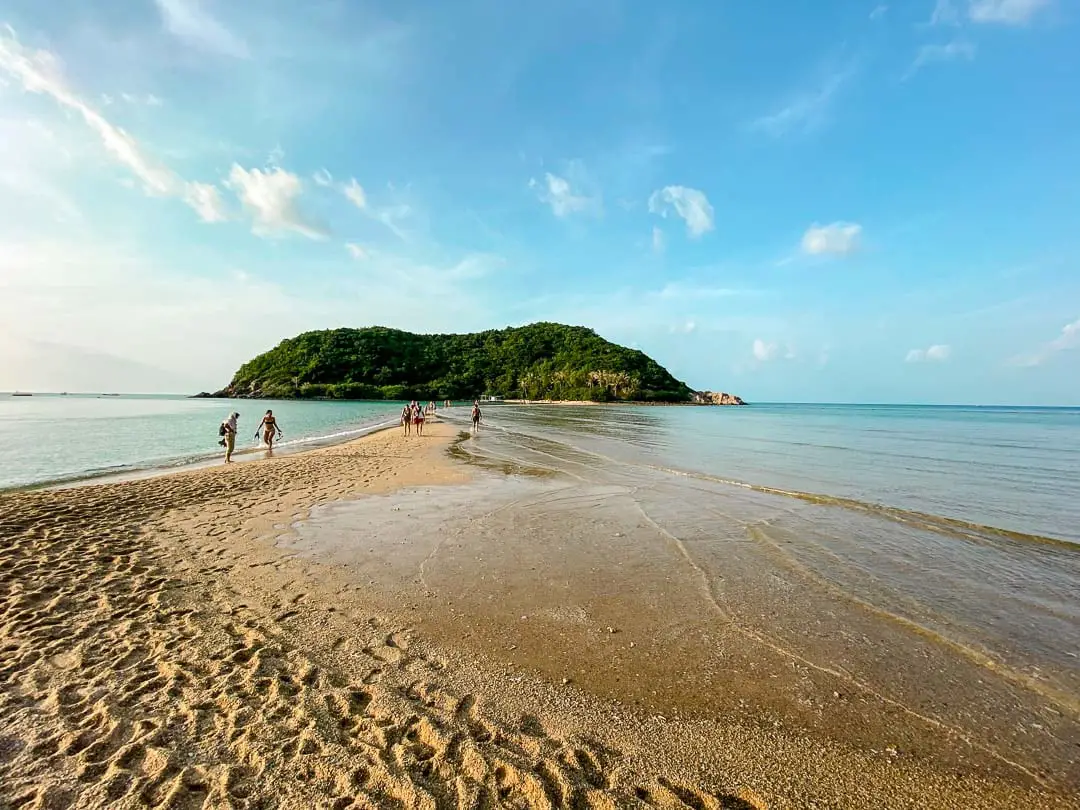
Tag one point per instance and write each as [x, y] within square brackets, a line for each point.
[547, 361]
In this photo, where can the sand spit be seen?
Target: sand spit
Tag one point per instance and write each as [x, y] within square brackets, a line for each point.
[160, 648]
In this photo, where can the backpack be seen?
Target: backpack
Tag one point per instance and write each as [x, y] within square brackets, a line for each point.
[221, 429]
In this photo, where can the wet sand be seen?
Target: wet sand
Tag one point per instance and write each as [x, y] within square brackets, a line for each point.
[380, 625]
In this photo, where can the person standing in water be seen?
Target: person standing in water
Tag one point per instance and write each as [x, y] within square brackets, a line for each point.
[270, 430]
[476, 415]
[228, 433]
[406, 419]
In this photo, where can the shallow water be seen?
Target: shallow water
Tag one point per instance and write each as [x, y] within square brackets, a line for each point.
[1016, 469]
[832, 603]
[53, 438]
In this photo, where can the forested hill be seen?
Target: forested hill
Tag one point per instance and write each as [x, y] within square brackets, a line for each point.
[539, 361]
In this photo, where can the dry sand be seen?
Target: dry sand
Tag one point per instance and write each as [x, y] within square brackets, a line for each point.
[161, 646]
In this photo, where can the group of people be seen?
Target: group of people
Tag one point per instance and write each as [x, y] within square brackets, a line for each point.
[268, 428]
[412, 416]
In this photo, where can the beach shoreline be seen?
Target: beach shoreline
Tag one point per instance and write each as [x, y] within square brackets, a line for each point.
[169, 643]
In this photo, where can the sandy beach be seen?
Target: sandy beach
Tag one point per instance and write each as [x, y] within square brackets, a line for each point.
[195, 640]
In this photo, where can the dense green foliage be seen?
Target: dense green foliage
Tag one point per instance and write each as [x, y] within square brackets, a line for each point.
[540, 361]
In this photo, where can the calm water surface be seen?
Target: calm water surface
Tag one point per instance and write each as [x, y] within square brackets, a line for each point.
[1010, 468]
[52, 438]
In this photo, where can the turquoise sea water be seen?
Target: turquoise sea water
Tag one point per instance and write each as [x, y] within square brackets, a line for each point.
[1016, 469]
[53, 438]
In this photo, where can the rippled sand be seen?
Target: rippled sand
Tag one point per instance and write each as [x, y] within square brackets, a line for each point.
[169, 642]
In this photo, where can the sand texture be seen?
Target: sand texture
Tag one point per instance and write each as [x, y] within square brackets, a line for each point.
[163, 645]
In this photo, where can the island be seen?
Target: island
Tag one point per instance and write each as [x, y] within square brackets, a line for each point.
[541, 361]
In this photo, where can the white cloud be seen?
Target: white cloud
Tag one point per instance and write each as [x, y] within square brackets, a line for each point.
[355, 193]
[764, 352]
[937, 353]
[356, 251]
[1068, 339]
[691, 291]
[323, 178]
[950, 52]
[189, 21]
[271, 197]
[689, 203]
[40, 71]
[878, 12]
[1005, 12]
[205, 199]
[838, 239]
[806, 111]
[561, 196]
[657, 240]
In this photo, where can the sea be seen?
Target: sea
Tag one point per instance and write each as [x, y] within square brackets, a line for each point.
[1010, 469]
[64, 439]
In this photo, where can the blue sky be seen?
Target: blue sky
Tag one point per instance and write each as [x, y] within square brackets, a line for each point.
[838, 201]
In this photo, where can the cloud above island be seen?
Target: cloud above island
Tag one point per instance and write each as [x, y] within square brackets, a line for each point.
[690, 204]
[937, 353]
[836, 239]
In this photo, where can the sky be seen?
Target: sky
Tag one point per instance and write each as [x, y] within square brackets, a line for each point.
[838, 201]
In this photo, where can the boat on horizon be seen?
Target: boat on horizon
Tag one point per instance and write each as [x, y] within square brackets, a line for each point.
[22, 394]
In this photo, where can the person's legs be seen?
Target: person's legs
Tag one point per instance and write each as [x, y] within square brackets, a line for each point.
[230, 443]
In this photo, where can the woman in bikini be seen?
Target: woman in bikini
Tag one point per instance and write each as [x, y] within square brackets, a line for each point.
[418, 420]
[270, 430]
[406, 419]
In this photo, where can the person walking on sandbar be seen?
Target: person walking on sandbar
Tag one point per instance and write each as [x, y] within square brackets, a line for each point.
[270, 430]
[476, 415]
[228, 433]
[406, 419]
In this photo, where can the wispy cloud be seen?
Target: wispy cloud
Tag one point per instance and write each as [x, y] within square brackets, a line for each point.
[689, 203]
[148, 100]
[929, 54]
[878, 12]
[355, 193]
[356, 251]
[1005, 12]
[563, 198]
[764, 352]
[938, 353]
[395, 217]
[1068, 339]
[190, 21]
[806, 111]
[40, 71]
[945, 13]
[837, 239]
[657, 240]
[693, 291]
[272, 199]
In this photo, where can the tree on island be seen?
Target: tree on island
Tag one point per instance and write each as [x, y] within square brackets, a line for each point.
[539, 361]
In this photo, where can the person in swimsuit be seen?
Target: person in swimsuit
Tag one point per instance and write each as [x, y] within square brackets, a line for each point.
[406, 419]
[270, 430]
[476, 415]
[418, 420]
